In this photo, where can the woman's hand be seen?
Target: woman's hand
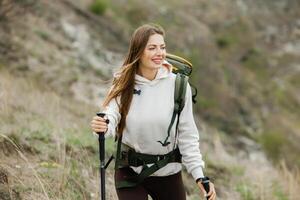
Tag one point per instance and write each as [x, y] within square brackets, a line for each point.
[99, 124]
[212, 192]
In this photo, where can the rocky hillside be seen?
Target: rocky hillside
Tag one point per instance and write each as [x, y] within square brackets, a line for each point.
[56, 63]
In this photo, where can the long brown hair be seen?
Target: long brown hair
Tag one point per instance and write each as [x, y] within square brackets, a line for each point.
[123, 83]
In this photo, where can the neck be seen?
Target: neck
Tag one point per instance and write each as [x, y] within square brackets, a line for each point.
[149, 74]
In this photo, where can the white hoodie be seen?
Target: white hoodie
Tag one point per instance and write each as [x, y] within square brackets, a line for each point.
[148, 120]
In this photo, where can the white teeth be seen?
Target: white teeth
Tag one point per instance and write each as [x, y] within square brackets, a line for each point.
[157, 61]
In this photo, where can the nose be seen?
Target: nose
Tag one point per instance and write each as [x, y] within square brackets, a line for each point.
[160, 52]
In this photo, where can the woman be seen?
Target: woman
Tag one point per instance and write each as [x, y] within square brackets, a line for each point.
[139, 108]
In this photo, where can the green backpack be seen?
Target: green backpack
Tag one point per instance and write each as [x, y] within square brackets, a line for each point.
[182, 66]
[127, 156]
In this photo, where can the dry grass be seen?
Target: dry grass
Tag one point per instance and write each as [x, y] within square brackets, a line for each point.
[48, 147]
[291, 181]
[37, 178]
[247, 174]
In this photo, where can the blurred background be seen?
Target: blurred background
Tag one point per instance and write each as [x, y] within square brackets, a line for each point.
[57, 59]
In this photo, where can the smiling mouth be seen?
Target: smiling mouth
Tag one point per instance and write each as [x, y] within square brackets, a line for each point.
[157, 61]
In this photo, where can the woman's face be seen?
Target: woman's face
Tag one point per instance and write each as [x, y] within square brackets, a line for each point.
[154, 52]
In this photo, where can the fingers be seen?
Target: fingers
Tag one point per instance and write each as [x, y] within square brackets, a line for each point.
[99, 129]
[213, 196]
[99, 124]
[212, 193]
[97, 118]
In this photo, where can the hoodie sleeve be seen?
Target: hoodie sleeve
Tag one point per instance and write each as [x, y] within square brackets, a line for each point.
[112, 113]
[188, 139]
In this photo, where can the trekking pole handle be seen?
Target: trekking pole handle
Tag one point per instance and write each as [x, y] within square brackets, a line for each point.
[100, 114]
[205, 182]
[206, 187]
[101, 135]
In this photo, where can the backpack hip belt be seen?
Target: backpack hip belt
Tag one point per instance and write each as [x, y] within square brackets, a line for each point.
[130, 157]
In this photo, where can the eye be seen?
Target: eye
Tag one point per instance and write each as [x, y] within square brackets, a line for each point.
[163, 47]
[151, 48]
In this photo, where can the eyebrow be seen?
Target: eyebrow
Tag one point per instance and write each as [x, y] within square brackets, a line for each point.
[156, 45]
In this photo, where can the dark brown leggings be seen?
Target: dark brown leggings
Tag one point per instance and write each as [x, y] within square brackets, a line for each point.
[159, 188]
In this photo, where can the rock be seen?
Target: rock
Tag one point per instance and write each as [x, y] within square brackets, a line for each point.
[292, 47]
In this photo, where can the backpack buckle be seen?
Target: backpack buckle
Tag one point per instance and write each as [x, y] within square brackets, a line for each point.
[124, 155]
[161, 157]
[132, 158]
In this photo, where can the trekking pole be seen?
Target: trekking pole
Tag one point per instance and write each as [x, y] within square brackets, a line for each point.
[101, 140]
[205, 183]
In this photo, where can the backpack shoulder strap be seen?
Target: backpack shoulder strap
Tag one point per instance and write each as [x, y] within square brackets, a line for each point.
[118, 152]
[179, 101]
[180, 91]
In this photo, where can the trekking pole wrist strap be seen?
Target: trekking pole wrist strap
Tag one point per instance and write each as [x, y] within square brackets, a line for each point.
[202, 179]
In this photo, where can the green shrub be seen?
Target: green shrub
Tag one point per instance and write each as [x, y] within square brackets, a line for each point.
[99, 7]
[272, 143]
[43, 34]
[205, 103]
[80, 138]
[286, 99]
[294, 80]
[278, 192]
[245, 191]
[256, 61]
[225, 41]
[235, 35]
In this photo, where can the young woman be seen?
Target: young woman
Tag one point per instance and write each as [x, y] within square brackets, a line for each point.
[139, 108]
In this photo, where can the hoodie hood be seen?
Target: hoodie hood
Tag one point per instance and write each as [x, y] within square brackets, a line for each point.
[163, 72]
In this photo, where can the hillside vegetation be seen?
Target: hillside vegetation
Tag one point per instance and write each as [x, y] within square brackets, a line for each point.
[56, 63]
